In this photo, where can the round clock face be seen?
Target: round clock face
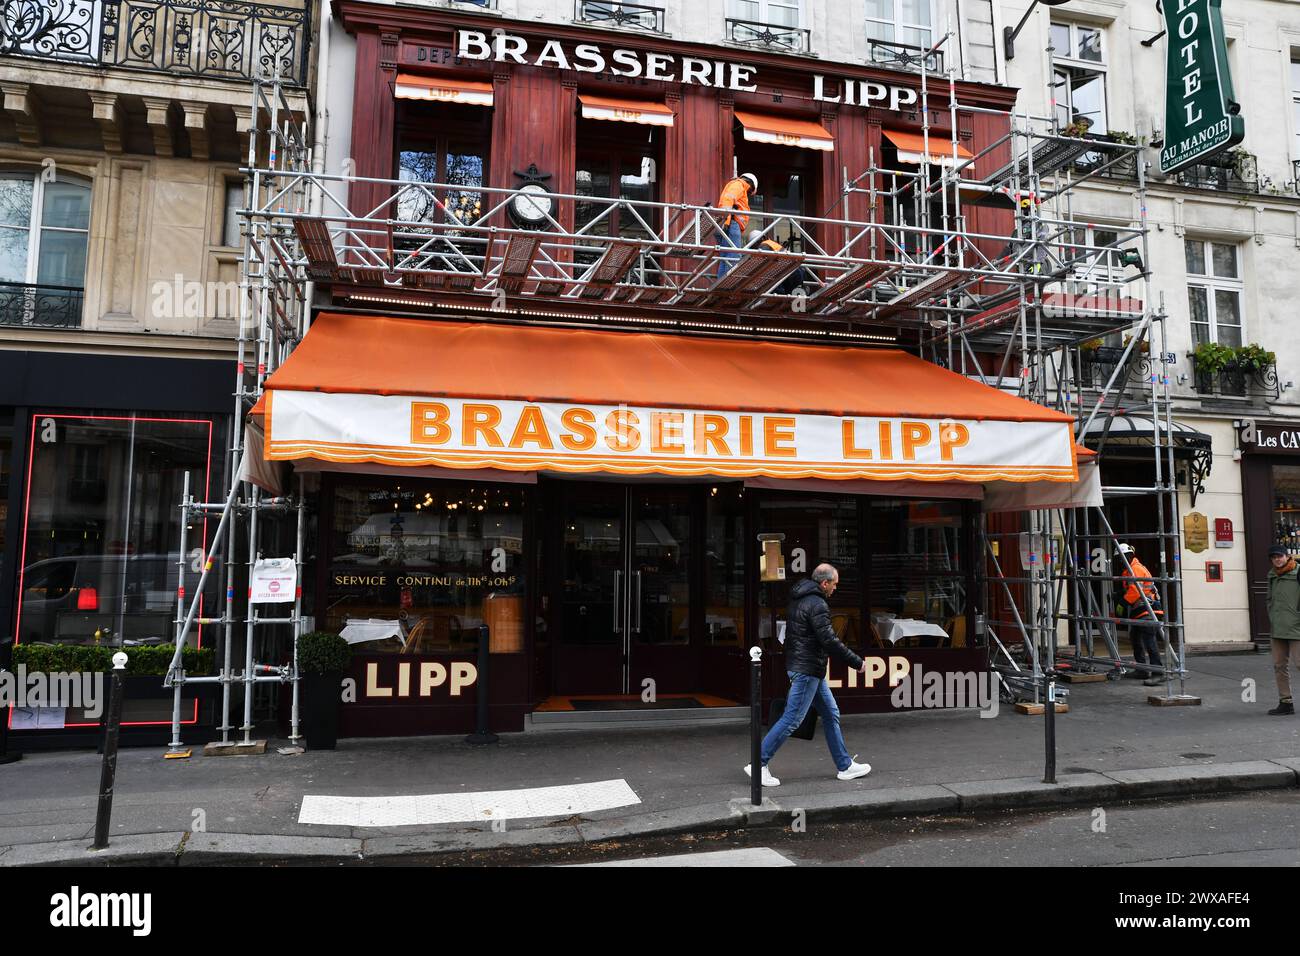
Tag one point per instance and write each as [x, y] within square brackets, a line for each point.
[533, 203]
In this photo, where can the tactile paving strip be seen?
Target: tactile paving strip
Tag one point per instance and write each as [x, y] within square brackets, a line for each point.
[466, 807]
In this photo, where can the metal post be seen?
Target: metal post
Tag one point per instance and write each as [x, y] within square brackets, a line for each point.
[1049, 728]
[108, 769]
[481, 733]
[756, 725]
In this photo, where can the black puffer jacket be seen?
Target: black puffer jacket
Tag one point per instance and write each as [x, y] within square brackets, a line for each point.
[809, 639]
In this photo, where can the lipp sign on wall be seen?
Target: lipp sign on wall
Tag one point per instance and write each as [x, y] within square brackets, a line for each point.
[624, 439]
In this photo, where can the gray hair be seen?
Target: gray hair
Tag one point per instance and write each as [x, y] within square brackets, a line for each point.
[824, 572]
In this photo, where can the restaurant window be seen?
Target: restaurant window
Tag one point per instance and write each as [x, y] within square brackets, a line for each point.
[902, 22]
[917, 594]
[44, 230]
[447, 145]
[726, 549]
[428, 563]
[1214, 291]
[786, 187]
[102, 541]
[6, 476]
[821, 529]
[617, 161]
[1079, 76]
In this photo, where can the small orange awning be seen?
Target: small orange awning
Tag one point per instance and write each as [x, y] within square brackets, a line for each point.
[785, 131]
[473, 395]
[443, 90]
[625, 111]
[911, 147]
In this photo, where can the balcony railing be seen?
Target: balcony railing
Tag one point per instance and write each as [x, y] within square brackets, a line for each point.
[620, 16]
[769, 35]
[40, 306]
[1223, 175]
[219, 39]
[1097, 365]
[903, 56]
[1237, 382]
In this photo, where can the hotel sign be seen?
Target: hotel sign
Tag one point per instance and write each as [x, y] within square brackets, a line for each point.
[633, 440]
[1201, 117]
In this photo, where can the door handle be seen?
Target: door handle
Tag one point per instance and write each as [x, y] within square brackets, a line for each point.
[618, 588]
[638, 602]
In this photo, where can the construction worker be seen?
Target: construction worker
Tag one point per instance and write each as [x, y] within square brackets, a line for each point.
[799, 277]
[735, 195]
[1144, 630]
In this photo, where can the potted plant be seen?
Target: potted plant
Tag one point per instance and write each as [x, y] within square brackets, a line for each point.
[322, 659]
[1255, 358]
[1211, 358]
[1144, 346]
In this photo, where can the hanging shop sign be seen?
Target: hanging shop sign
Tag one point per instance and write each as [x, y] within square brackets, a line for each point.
[273, 581]
[1201, 116]
[1196, 531]
[623, 439]
[1269, 438]
[722, 74]
[1223, 532]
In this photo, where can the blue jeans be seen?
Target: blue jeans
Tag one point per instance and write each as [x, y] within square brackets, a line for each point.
[808, 692]
[729, 239]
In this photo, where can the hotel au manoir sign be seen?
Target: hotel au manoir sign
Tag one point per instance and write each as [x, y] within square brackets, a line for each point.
[1201, 116]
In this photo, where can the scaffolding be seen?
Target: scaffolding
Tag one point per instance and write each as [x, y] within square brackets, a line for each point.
[1026, 307]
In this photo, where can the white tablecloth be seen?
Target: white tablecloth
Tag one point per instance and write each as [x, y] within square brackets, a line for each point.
[375, 629]
[894, 629]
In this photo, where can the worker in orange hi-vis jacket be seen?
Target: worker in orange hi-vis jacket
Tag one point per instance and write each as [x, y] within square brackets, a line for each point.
[1144, 630]
[735, 196]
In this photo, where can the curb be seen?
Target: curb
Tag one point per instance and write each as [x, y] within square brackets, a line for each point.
[217, 849]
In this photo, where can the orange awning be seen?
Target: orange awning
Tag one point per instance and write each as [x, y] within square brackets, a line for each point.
[480, 395]
[911, 147]
[443, 90]
[785, 131]
[625, 111]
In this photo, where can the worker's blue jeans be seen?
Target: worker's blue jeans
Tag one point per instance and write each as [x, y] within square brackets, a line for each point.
[729, 239]
[808, 692]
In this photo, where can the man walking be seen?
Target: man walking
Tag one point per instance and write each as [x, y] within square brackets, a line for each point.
[735, 196]
[809, 640]
[1284, 621]
[1143, 629]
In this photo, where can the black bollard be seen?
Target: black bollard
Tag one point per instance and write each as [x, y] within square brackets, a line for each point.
[755, 726]
[1049, 728]
[481, 733]
[112, 725]
[6, 664]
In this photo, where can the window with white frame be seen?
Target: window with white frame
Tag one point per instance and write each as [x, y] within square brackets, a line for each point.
[1079, 75]
[44, 228]
[775, 13]
[904, 22]
[1214, 291]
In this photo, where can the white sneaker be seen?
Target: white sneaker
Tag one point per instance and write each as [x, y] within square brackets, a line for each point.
[855, 770]
[768, 779]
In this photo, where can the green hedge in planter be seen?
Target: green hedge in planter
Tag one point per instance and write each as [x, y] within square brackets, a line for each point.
[146, 661]
[321, 652]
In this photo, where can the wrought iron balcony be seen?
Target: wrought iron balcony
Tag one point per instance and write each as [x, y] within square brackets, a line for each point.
[620, 16]
[1225, 173]
[40, 306]
[904, 56]
[1235, 381]
[769, 35]
[1097, 365]
[218, 39]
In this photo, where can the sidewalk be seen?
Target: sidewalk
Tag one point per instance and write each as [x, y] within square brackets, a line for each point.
[1111, 746]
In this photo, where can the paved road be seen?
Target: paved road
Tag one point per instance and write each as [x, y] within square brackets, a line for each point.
[1255, 829]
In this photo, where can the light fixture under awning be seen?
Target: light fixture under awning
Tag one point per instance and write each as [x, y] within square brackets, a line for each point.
[443, 90]
[411, 392]
[625, 111]
[911, 149]
[785, 131]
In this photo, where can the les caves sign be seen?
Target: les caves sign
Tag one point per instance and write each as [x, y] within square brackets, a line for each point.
[1201, 117]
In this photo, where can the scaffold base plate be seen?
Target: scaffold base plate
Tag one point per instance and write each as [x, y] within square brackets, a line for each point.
[1073, 678]
[1178, 700]
[218, 749]
[1037, 710]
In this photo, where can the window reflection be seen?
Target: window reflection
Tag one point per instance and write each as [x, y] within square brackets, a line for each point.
[917, 572]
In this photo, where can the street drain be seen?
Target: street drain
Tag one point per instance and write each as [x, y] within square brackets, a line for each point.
[1197, 756]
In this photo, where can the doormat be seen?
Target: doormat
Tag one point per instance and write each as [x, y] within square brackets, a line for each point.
[636, 703]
